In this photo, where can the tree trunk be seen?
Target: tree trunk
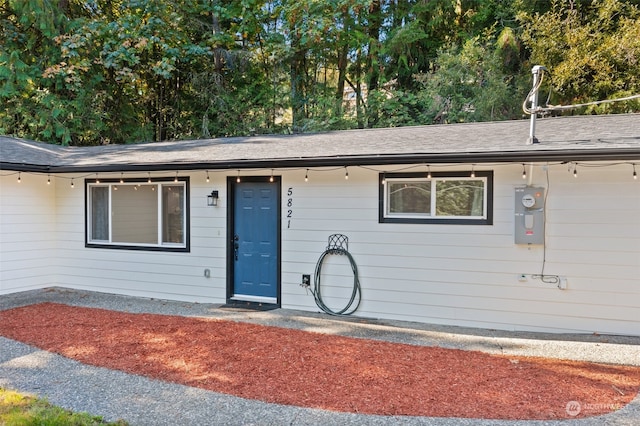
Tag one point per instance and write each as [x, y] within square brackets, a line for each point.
[298, 76]
[342, 62]
[373, 72]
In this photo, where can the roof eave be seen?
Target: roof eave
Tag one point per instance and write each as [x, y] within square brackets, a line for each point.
[25, 167]
[573, 155]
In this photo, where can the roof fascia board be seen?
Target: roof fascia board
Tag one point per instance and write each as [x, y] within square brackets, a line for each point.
[22, 167]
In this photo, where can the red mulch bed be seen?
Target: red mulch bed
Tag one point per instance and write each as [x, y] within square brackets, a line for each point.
[330, 372]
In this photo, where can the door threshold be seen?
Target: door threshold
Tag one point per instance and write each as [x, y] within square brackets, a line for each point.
[237, 305]
[256, 299]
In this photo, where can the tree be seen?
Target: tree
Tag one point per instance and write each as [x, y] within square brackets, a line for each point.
[591, 50]
[475, 72]
[472, 83]
[119, 71]
[135, 61]
[28, 105]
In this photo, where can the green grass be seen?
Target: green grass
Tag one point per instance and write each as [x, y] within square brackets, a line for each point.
[22, 410]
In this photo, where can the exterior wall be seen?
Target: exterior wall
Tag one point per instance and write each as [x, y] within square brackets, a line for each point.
[447, 274]
[27, 239]
[165, 275]
[469, 275]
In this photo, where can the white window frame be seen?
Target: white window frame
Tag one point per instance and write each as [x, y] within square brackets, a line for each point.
[386, 216]
[158, 184]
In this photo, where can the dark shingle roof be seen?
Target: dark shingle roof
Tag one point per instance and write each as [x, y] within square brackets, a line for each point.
[579, 138]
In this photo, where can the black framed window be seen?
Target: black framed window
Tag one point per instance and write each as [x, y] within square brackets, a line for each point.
[439, 197]
[138, 214]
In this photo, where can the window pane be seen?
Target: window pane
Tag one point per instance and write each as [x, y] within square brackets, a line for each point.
[135, 214]
[173, 214]
[460, 198]
[409, 197]
[100, 213]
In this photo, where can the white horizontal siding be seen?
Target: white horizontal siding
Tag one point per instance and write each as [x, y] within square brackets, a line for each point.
[166, 275]
[447, 274]
[468, 275]
[27, 232]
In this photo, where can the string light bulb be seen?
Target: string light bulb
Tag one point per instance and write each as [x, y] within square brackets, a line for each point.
[384, 178]
[97, 178]
[121, 178]
[428, 172]
[346, 173]
[72, 184]
[48, 179]
[575, 170]
[238, 178]
[19, 177]
[207, 176]
[176, 178]
[271, 178]
[635, 174]
[306, 176]
[524, 171]
[473, 173]
[149, 177]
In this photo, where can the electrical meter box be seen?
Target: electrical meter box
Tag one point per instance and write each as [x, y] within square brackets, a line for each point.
[529, 215]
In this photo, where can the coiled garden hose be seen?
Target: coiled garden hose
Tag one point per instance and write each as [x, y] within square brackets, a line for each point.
[355, 294]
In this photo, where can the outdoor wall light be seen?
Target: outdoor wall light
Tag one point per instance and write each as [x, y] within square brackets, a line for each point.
[212, 199]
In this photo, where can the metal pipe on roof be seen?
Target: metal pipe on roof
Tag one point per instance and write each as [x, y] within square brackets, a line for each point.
[537, 71]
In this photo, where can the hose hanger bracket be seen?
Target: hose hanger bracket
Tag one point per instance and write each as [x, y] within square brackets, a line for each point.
[338, 244]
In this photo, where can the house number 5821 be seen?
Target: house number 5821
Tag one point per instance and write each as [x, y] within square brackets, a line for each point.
[289, 206]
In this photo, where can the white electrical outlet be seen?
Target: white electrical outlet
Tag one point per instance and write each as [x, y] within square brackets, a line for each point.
[562, 284]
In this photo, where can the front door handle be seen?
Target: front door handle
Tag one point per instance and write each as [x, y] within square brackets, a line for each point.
[236, 246]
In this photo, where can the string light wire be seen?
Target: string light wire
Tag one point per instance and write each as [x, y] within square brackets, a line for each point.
[572, 167]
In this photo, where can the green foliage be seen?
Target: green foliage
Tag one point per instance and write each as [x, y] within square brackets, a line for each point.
[591, 50]
[397, 107]
[83, 73]
[20, 410]
[471, 83]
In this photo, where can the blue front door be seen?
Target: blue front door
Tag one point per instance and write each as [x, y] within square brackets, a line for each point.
[255, 243]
